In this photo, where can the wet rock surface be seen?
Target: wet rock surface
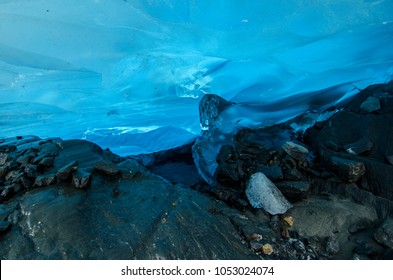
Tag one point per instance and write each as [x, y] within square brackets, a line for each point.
[73, 200]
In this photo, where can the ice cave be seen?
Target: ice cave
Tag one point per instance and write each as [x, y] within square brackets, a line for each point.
[289, 99]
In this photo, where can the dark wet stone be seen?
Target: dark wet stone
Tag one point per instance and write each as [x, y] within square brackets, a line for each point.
[45, 180]
[24, 159]
[349, 170]
[292, 174]
[47, 162]
[4, 226]
[294, 190]
[389, 158]
[106, 168]
[3, 171]
[359, 147]
[66, 171]
[4, 148]
[331, 145]
[384, 234]
[12, 175]
[296, 151]
[48, 149]
[273, 172]
[81, 179]
[25, 182]
[6, 210]
[256, 245]
[355, 228]
[130, 168]
[6, 193]
[371, 104]
[30, 171]
[3, 158]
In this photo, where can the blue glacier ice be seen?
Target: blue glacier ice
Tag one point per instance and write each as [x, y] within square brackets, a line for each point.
[129, 74]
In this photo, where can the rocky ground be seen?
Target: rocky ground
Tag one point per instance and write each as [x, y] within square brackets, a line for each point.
[279, 192]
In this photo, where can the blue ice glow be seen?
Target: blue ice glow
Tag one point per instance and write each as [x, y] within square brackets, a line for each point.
[127, 74]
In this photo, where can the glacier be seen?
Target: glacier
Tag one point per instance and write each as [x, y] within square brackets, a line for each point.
[129, 74]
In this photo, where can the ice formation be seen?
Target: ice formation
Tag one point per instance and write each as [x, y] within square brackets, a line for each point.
[129, 74]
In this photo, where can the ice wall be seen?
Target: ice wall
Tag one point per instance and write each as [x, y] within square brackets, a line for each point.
[129, 74]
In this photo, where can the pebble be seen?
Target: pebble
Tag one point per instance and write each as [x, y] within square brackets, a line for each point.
[66, 171]
[296, 151]
[106, 168]
[81, 179]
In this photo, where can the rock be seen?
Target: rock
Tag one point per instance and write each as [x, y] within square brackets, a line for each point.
[292, 174]
[346, 169]
[359, 147]
[296, 151]
[25, 182]
[45, 180]
[332, 246]
[3, 171]
[3, 158]
[25, 159]
[273, 172]
[267, 249]
[81, 179]
[384, 234]
[47, 162]
[5, 148]
[321, 217]
[30, 171]
[256, 245]
[66, 171]
[389, 158]
[294, 190]
[130, 168]
[4, 226]
[371, 104]
[262, 193]
[106, 168]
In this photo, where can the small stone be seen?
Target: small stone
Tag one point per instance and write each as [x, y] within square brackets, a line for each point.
[255, 245]
[4, 226]
[384, 234]
[106, 168]
[371, 104]
[81, 179]
[66, 171]
[288, 220]
[25, 182]
[349, 170]
[47, 162]
[354, 228]
[331, 145]
[332, 246]
[45, 180]
[254, 236]
[7, 148]
[262, 193]
[12, 175]
[296, 151]
[267, 249]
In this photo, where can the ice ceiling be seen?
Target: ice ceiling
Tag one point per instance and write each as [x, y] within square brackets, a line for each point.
[128, 75]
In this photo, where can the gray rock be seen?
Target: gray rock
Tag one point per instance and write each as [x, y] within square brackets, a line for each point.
[130, 168]
[349, 170]
[384, 234]
[45, 180]
[66, 171]
[371, 104]
[296, 151]
[322, 217]
[106, 168]
[262, 193]
[27, 158]
[81, 179]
